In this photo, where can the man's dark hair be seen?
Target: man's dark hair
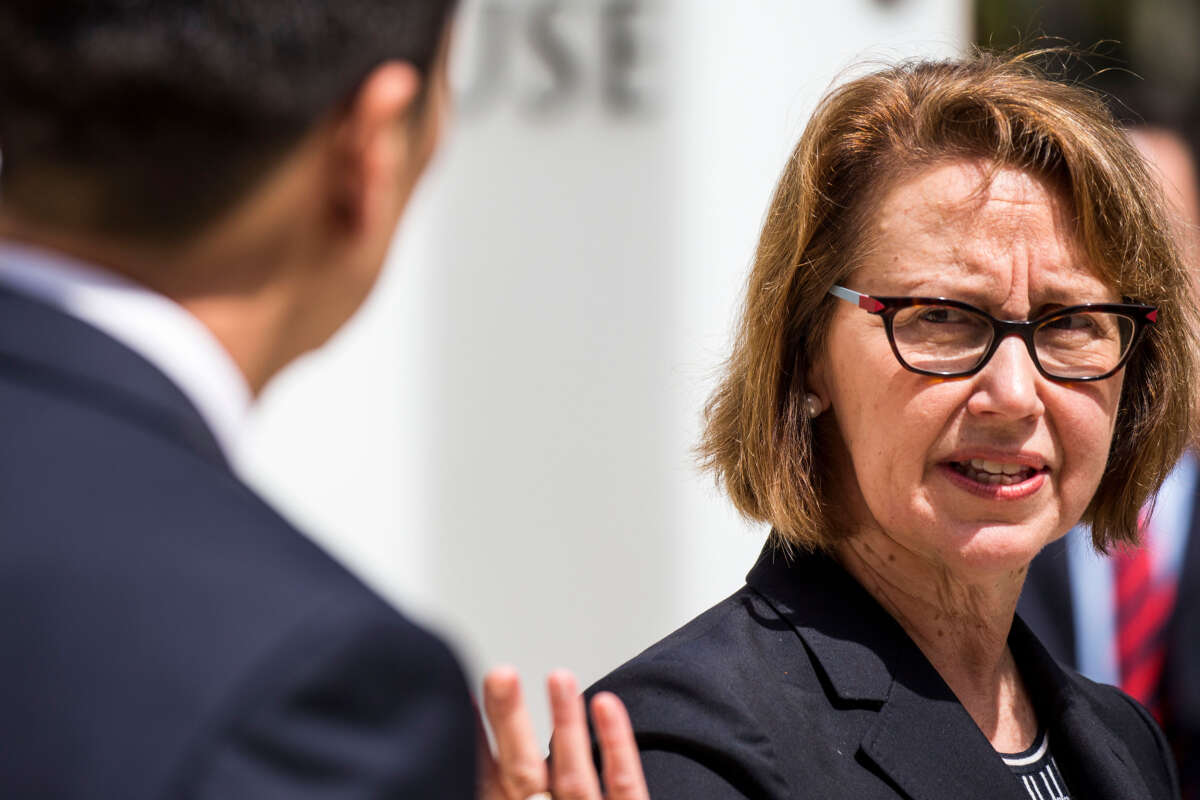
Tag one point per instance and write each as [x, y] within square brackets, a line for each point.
[150, 117]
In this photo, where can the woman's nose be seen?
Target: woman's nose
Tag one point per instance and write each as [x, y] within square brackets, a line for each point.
[1009, 383]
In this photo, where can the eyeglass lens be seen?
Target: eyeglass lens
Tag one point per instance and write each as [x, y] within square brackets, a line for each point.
[949, 340]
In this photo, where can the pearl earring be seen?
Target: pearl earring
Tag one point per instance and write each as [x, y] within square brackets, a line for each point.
[812, 405]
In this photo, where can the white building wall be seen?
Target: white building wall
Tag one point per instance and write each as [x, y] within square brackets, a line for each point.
[501, 441]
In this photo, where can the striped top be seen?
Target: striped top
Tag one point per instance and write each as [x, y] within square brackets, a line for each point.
[1037, 771]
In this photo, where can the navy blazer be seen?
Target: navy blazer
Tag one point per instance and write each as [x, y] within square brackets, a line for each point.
[1048, 606]
[166, 634]
[800, 685]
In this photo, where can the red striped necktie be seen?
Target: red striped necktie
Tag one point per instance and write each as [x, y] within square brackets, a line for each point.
[1144, 601]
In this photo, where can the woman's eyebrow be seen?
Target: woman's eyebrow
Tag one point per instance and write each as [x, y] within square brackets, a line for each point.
[1072, 290]
[975, 292]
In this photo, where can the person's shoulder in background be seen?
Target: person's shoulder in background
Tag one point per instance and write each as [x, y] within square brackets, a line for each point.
[167, 634]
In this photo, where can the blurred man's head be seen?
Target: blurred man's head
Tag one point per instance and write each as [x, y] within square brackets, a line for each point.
[149, 117]
[249, 158]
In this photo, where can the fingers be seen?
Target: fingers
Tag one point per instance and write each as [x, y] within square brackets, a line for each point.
[489, 775]
[574, 772]
[520, 768]
[623, 777]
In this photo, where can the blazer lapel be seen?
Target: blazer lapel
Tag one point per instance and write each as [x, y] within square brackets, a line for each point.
[926, 743]
[1095, 762]
[41, 345]
[922, 739]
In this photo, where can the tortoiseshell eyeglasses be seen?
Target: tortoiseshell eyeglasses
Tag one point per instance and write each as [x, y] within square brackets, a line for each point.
[950, 339]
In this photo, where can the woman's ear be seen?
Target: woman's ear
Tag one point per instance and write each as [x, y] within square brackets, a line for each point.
[816, 389]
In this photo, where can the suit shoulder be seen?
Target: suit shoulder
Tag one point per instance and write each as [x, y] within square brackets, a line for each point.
[1112, 703]
[725, 649]
[695, 702]
[368, 696]
[741, 626]
[186, 592]
[82, 489]
[1136, 728]
[155, 540]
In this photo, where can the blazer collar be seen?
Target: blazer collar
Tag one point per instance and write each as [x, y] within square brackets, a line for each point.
[922, 738]
[849, 635]
[1096, 763]
[41, 344]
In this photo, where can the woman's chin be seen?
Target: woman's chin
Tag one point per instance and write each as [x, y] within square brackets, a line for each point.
[993, 549]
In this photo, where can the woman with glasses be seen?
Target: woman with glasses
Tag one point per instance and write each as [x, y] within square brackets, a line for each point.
[966, 329]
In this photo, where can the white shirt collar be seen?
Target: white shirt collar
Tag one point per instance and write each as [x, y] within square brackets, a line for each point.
[150, 324]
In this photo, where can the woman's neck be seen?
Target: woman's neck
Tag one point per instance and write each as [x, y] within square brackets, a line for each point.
[960, 625]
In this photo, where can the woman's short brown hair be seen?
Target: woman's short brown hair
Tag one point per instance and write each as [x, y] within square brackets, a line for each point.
[1006, 111]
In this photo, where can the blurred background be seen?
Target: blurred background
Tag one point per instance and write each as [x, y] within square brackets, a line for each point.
[501, 442]
[1144, 53]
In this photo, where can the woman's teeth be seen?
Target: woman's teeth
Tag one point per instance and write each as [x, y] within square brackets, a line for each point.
[994, 472]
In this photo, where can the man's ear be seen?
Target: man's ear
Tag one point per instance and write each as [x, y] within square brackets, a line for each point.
[368, 146]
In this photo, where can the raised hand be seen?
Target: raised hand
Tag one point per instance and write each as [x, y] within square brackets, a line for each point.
[518, 770]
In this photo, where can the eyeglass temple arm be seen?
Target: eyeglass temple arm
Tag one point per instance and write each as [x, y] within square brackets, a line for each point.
[863, 301]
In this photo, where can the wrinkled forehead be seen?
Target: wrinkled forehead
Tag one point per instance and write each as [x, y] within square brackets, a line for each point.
[961, 194]
[970, 230]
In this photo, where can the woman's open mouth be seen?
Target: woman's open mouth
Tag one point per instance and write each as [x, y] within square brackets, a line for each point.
[996, 479]
[993, 472]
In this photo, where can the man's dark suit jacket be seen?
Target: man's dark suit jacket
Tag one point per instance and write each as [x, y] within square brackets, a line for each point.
[1048, 607]
[801, 686]
[165, 634]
